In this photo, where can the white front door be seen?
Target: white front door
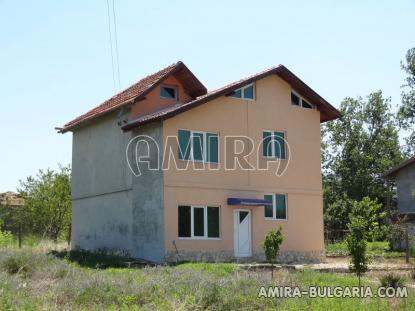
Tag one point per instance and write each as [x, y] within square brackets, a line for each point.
[242, 236]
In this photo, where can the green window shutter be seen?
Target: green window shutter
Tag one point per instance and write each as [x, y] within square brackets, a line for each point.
[281, 206]
[199, 221]
[268, 208]
[212, 144]
[184, 222]
[213, 221]
[267, 144]
[279, 145]
[184, 144]
[197, 140]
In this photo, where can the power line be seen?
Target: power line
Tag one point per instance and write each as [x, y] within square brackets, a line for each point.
[116, 44]
[110, 37]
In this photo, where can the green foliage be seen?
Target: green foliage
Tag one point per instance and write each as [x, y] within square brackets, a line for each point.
[47, 210]
[392, 280]
[357, 245]
[336, 213]
[371, 212]
[272, 244]
[374, 249]
[6, 238]
[357, 150]
[406, 112]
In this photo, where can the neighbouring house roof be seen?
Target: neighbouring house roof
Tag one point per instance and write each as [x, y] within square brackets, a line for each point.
[328, 112]
[403, 217]
[11, 199]
[138, 91]
[394, 170]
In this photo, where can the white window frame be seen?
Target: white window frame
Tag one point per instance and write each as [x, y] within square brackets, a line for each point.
[273, 141]
[274, 207]
[242, 92]
[176, 91]
[301, 101]
[205, 235]
[204, 155]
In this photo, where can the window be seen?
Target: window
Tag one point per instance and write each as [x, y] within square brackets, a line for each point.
[199, 222]
[278, 209]
[297, 100]
[273, 144]
[306, 104]
[246, 92]
[168, 92]
[198, 146]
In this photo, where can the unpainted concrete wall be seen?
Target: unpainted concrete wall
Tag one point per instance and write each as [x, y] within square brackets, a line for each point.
[101, 187]
[406, 189]
[148, 206]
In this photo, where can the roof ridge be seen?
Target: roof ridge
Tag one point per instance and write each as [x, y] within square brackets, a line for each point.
[239, 81]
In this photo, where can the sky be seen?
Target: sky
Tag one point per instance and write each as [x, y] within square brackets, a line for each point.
[55, 57]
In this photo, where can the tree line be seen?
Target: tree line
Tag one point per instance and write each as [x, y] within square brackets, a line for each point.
[359, 148]
[46, 212]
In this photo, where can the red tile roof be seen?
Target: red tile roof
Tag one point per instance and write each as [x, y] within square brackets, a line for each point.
[198, 92]
[328, 112]
[137, 91]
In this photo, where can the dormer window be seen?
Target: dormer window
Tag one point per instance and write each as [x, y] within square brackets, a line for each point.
[246, 92]
[168, 92]
[297, 100]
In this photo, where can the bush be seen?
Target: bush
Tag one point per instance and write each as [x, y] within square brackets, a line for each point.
[6, 238]
[357, 245]
[271, 246]
[19, 263]
[100, 259]
[392, 280]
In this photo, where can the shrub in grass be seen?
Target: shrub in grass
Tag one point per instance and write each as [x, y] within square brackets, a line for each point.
[392, 280]
[19, 263]
[6, 238]
[271, 246]
[100, 259]
[357, 245]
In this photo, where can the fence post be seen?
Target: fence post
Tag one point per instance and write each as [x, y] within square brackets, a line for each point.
[407, 242]
[19, 236]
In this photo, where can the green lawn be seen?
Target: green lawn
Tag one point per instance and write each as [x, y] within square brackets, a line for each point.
[375, 249]
[31, 279]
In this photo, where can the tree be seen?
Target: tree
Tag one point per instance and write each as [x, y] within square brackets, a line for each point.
[371, 212]
[357, 149]
[336, 214]
[271, 246]
[356, 243]
[48, 202]
[406, 112]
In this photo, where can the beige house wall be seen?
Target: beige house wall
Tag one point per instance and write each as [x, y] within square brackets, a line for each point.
[153, 102]
[272, 110]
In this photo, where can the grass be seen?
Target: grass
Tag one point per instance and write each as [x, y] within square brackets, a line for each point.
[374, 249]
[84, 281]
